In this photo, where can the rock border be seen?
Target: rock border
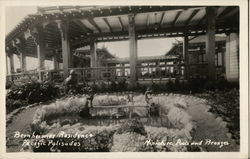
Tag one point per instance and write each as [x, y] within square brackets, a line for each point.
[10, 116]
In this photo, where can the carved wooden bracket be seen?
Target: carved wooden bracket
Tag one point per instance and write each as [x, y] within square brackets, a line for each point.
[33, 34]
[16, 43]
[131, 19]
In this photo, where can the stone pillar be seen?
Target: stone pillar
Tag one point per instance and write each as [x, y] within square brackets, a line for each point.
[185, 55]
[65, 39]
[132, 49]
[232, 57]
[210, 41]
[40, 44]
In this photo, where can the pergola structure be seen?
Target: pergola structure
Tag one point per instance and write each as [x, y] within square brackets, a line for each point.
[55, 32]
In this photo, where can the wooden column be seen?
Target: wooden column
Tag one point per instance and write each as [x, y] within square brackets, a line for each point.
[23, 61]
[122, 69]
[185, 55]
[55, 62]
[40, 51]
[65, 39]
[17, 43]
[93, 55]
[210, 41]
[232, 57]
[227, 57]
[93, 59]
[7, 67]
[132, 49]
[12, 68]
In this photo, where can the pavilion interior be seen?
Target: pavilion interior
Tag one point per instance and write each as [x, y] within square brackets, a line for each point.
[60, 33]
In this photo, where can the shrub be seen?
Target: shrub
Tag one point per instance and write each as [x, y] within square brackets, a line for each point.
[155, 87]
[196, 85]
[226, 105]
[122, 85]
[29, 93]
[12, 104]
[170, 86]
[132, 126]
[103, 87]
[100, 141]
[113, 86]
[8, 84]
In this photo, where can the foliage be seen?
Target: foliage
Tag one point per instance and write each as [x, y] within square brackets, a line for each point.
[127, 142]
[170, 86]
[137, 87]
[29, 93]
[132, 126]
[8, 84]
[92, 139]
[226, 105]
[164, 137]
[12, 104]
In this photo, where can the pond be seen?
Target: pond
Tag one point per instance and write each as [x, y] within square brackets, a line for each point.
[109, 112]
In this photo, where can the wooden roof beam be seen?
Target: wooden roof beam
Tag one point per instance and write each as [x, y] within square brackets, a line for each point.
[161, 20]
[226, 11]
[147, 20]
[221, 10]
[191, 16]
[121, 24]
[176, 18]
[232, 12]
[92, 22]
[203, 19]
[36, 18]
[107, 23]
[83, 26]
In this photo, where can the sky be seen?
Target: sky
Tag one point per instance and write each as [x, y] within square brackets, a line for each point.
[146, 47]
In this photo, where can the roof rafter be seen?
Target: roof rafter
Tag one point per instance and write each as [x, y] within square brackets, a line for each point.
[107, 23]
[221, 10]
[92, 22]
[162, 17]
[83, 26]
[176, 18]
[232, 12]
[191, 16]
[226, 11]
[121, 24]
[148, 20]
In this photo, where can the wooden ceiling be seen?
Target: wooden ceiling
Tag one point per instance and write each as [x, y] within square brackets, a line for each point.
[110, 23]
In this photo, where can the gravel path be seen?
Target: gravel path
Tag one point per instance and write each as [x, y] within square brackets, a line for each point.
[208, 127]
[21, 122]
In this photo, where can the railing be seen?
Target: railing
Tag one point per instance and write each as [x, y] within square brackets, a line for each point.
[102, 73]
[161, 72]
[107, 74]
[22, 76]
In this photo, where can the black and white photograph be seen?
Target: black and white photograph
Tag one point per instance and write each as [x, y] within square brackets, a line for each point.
[123, 78]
